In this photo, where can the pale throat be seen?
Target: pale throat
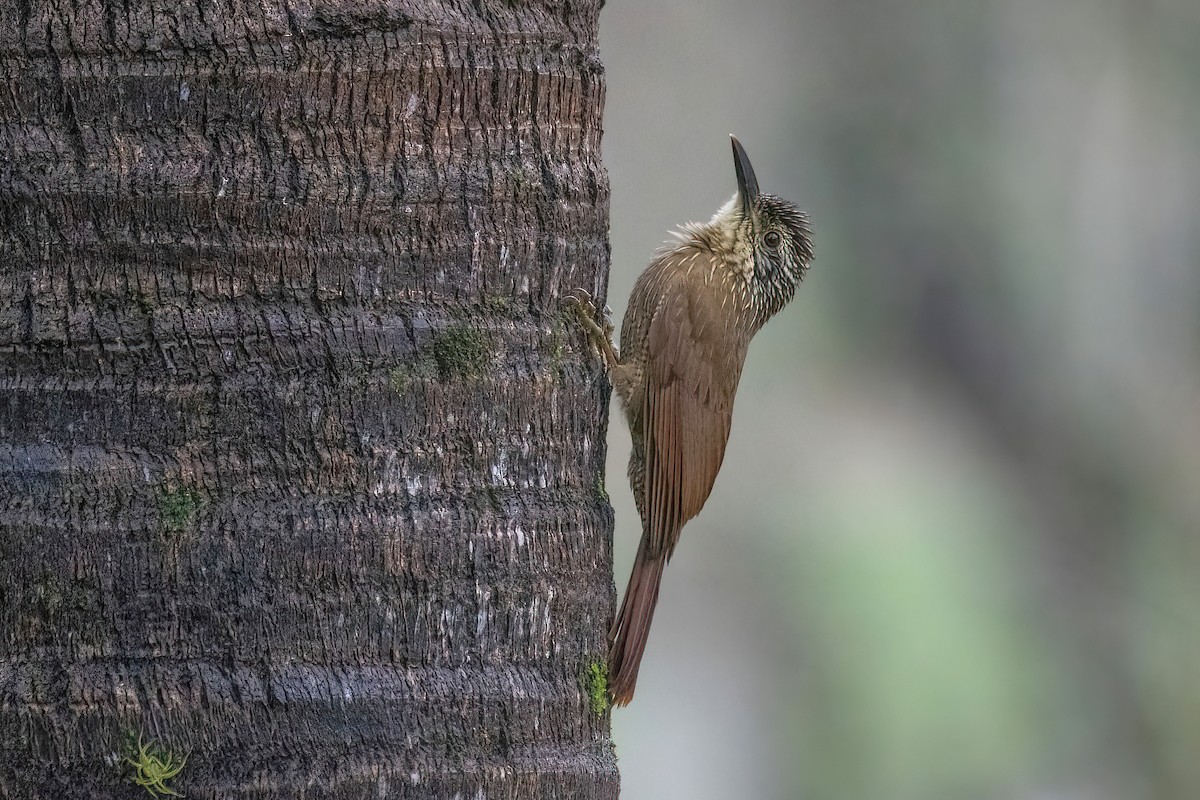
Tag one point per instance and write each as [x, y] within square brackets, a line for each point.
[735, 238]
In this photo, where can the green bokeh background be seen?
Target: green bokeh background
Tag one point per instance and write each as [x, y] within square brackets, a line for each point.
[954, 549]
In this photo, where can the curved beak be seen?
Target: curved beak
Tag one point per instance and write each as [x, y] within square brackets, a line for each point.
[747, 183]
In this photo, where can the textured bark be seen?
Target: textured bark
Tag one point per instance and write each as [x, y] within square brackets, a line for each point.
[299, 459]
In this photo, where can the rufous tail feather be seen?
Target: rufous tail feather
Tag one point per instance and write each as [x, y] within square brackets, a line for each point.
[632, 627]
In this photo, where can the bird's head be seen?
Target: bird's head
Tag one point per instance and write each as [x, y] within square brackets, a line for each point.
[770, 236]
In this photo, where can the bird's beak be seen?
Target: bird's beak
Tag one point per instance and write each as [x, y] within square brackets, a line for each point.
[747, 183]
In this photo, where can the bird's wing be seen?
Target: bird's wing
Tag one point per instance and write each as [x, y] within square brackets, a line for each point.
[695, 353]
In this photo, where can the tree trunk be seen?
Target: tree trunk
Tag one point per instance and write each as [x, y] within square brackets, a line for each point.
[300, 461]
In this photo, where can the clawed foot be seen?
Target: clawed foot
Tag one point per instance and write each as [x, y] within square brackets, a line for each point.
[600, 330]
[581, 299]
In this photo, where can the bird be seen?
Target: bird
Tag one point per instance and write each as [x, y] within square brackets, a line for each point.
[684, 337]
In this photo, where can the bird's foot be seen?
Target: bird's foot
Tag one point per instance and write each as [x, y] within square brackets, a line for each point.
[598, 325]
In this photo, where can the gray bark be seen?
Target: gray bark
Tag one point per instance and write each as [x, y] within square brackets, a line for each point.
[300, 460]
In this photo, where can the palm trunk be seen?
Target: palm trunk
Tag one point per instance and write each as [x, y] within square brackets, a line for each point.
[299, 461]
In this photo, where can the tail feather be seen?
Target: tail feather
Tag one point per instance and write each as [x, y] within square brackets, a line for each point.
[632, 627]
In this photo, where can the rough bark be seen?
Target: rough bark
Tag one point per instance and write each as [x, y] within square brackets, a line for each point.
[300, 461]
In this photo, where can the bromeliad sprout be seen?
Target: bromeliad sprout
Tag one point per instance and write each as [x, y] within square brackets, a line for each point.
[153, 767]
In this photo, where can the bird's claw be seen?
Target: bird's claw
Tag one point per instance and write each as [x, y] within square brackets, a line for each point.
[599, 326]
[586, 307]
[582, 300]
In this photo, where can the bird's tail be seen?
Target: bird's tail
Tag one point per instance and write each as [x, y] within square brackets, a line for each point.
[632, 627]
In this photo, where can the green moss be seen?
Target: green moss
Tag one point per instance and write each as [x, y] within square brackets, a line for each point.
[596, 684]
[498, 305]
[152, 765]
[398, 378]
[519, 178]
[65, 602]
[460, 352]
[143, 304]
[177, 508]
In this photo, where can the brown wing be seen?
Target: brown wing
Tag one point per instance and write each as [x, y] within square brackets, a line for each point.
[694, 355]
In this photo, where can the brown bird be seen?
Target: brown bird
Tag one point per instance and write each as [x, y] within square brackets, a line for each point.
[683, 343]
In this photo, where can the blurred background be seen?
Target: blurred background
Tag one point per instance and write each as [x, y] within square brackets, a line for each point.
[954, 548]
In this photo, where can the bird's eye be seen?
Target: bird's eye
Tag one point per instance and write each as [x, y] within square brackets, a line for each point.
[772, 240]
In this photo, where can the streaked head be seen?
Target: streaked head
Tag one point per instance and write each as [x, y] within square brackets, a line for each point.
[776, 232]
